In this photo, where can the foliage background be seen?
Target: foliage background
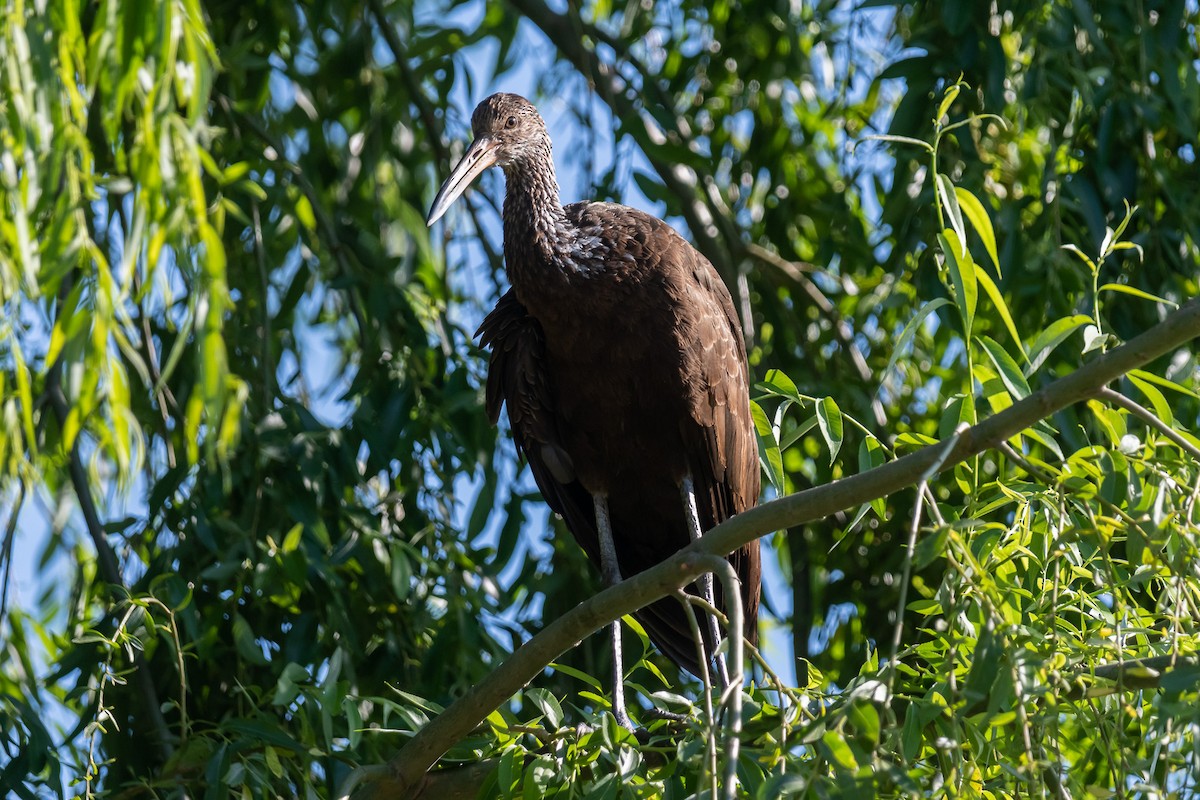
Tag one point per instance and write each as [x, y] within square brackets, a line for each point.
[261, 514]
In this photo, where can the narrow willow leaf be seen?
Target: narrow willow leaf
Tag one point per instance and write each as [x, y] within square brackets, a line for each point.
[1129, 212]
[1162, 409]
[962, 273]
[1150, 377]
[247, 644]
[887, 137]
[910, 331]
[1006, 368]
[977, 215]
[578, 675]
[871, 455]
[1046, 341]
[949, 200]
[1045, 439]
[800, 430]
[1106, 245]
[548, 704]
[1082, 257]
[947, 100]
[778, 383]
[1129, 246]
[993, 292]
[838, 752]
[1123, 289]
[24, 395]
[829, 417]
[768, 448]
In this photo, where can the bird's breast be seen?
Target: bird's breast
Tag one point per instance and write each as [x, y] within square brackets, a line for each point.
[620, 396]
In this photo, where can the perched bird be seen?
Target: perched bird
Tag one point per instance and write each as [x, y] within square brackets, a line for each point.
[621, 361]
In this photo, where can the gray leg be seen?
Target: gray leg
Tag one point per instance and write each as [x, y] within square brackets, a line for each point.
[688, 490]
[611, 571]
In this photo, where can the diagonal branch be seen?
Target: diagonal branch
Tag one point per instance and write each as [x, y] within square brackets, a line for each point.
[1149, 417]
[406, 772]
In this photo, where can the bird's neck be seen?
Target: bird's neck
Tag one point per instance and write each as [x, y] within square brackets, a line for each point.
[539, 242]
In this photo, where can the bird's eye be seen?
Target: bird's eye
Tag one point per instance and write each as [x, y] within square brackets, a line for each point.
[511, 123]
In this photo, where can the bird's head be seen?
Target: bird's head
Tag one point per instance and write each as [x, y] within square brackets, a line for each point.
[508, 131]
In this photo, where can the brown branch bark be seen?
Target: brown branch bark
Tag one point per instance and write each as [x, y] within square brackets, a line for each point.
[406, 771]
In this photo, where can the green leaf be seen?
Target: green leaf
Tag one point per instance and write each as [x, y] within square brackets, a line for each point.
[1181, 678]
[1162, 409]
[977, 215]
[865, 719]
[292, 540]
[910, 331]
[1006, 368]
[829, 417]
[768, 447]
[948, 99]
[962, 273]
[795, 433]
[837, 751]
[1129, 290]
[1082, 257]
[911, 738]
[1046, 341]
[287, 687]
[930, 548]
[871, 455]
[984, 667]
[949, 200]
[247, 646]
[993, 292]
[1150, 377]
[779, 384]
[928, 607]
[548, 705]
[578, 675]
[888, 137]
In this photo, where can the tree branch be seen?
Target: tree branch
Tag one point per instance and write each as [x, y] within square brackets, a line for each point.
[407, 768]
[1148, 416]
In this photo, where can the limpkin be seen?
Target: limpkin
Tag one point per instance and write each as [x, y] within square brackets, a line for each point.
[621, 361]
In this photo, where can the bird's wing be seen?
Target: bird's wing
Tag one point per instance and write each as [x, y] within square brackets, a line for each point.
[517, 379]
[718, 430]
[721, 438]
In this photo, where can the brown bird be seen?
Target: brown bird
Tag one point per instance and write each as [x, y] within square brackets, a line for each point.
[620, 359]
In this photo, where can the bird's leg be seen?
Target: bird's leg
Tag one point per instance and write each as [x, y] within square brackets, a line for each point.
[688, 490]
[611, 571]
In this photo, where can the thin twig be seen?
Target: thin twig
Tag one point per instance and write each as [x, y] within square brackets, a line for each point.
[897, 632]
[710, 721]
[1149, 417]
[721, 568]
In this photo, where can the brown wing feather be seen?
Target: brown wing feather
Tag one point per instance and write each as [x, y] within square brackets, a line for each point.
[517, 379]
[716, 430]
[723, 449]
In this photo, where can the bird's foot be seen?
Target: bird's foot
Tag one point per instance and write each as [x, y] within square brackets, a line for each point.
[623, 719]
